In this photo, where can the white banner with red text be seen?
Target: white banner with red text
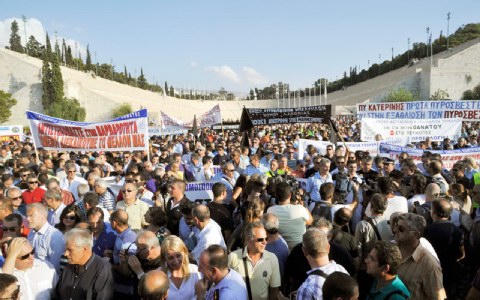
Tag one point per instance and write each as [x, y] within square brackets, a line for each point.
[126, 133]
[9, 132]
[415, 130]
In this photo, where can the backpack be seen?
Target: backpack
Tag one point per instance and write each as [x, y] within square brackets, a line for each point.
[343, 186]
[424, 210]
[322, 210]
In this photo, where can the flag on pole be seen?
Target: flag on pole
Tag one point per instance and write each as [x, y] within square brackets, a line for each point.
[195, 127]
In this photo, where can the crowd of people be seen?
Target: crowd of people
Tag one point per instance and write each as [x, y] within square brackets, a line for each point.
[335, 224]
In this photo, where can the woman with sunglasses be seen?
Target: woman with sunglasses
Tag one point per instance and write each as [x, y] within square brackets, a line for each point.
[70, 216]
[181, 274]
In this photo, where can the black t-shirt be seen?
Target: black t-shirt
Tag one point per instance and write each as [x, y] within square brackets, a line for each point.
[221, 214]
[174, 215]
[446, 238]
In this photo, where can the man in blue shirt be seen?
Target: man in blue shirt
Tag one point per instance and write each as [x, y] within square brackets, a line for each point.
[47, 240]
[102, 239]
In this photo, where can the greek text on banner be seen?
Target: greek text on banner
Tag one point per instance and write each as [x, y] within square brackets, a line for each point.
[414, 129]
[129, 132]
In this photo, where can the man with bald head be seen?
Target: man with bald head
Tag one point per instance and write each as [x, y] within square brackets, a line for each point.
[209, 232]
[125, 235]
[154, 285]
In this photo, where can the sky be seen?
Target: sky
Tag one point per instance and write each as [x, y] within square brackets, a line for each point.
[237, 45]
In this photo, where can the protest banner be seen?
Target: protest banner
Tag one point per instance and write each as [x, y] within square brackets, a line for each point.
[444, 109]
[126, 133]
[413, 129]
[159, 131]
[169, 125]
[310, 114]
[211, 117]
[321, 147]
[200, 191]
[370, 147]
[9, 132]
[449, 157]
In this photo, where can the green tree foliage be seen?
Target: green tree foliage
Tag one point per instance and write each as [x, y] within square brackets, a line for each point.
[68, 109]
[141, 81]
[166, 89]
[48, 96]
[58, 54]
[88, 61]
[473, 94]
[440, 95]
[6, 103]
[15, 41]
[400, 95]
[53, 100]
[122, 109]
[34, 48]
[69, 57]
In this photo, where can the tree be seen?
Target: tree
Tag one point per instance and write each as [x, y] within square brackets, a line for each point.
[166, 89]
[34, 48]
[48, 96]
[400, 95]
[15, 41]
[58, 53]
[88, 62]
[473, 94]
[6, 103]
[121, 110]
[142, 82]
[440, 95]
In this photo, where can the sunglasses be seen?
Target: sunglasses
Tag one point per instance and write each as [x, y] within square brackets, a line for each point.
[261, 240]
[71, 218]
[16, 198]
[11, 229]
[32, 182]
[129, 190]
[403, 229]
[129, 180]
[24, 257]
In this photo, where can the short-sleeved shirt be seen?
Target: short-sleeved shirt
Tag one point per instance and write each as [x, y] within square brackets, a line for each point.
[312, 287]
[314, 183]
[231, 287]
[396, 286]
[136, 213]
[422, 275]
[292, 219]
[264, 275]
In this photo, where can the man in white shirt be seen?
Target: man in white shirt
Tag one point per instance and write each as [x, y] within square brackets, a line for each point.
[72, 181]
[209, 232]
[36, 278]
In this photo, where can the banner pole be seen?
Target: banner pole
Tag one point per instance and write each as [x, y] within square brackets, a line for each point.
[34, 145]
